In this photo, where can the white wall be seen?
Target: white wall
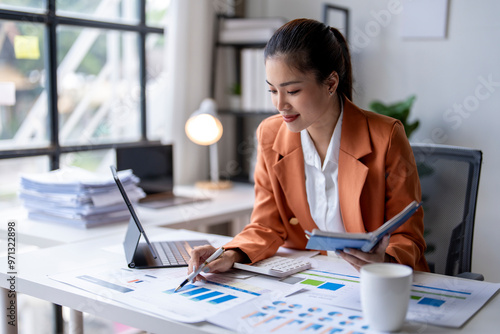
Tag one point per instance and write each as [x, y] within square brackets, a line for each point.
[447, 75]
[188, 62]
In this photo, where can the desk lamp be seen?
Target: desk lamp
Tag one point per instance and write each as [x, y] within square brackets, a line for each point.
[204, 128]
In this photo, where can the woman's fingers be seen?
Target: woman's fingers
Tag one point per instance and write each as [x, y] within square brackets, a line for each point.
[358, 258]
[199, 255]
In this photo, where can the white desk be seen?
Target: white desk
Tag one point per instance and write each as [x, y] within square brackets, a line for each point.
[34, 267]
[234, 205]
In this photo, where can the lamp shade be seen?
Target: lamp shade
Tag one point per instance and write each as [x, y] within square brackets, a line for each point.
[203, 127]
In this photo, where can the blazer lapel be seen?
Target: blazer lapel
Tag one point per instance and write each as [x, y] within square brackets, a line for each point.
[355, 143]
[289, 170]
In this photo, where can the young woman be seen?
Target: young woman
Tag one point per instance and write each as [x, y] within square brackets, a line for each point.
[323, 162]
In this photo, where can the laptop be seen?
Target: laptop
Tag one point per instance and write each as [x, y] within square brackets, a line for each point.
[159, 254]
[153, 165]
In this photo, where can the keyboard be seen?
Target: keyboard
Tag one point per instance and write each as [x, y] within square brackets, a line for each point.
[277, 266]
[175, 253]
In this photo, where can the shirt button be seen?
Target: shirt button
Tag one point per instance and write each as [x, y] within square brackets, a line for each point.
[293, 221]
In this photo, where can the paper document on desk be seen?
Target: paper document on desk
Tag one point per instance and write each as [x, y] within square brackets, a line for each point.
[293, 314]
[435, 299]
[152, 290]
[447, 301]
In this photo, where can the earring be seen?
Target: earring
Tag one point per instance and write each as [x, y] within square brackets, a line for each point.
[330, 92]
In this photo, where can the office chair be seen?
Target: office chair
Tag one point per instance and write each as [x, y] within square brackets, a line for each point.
[449, 177]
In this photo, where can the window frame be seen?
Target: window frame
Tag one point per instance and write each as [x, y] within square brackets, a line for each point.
[51, 21]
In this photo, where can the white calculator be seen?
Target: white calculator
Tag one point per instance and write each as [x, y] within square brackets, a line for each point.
[278, 266]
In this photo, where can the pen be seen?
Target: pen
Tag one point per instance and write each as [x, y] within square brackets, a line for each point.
[195, 273]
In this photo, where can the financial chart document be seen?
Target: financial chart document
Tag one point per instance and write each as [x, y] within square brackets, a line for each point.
[435, 299]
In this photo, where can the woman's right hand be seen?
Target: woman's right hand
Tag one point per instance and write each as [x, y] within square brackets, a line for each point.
[223, 263]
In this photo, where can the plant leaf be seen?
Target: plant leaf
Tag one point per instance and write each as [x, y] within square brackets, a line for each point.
[399, 110]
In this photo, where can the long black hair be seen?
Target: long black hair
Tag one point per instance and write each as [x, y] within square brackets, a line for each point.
[309, 45]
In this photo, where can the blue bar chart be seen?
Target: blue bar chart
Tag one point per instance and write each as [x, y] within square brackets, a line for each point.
[315, 300]
[435, 297]
[211, 296]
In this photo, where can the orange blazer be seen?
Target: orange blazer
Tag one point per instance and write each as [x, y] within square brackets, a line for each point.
[377, 178]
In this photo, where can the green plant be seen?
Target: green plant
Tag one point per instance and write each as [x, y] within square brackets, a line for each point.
[399, 110]
[235, 89]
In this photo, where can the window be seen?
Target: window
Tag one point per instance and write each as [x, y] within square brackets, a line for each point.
[77, 79]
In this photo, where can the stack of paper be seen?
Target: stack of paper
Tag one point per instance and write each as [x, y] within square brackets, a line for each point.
[248, 31]
[77, 197]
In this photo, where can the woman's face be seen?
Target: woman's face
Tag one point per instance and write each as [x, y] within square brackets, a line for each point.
[301, 100]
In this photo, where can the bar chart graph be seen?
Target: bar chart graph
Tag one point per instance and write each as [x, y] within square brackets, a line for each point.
[315, 300]
[203, 294]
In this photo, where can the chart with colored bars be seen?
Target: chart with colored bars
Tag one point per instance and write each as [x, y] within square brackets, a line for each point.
[330, 287]
[152, 291]
[449, 302]
[434, 300]
[327, 280]
[198, 293]
[194, 302]
[295, 315]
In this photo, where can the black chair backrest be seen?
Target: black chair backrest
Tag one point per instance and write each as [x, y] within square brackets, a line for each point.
[449, 176]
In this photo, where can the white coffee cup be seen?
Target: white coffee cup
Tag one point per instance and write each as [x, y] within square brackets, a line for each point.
[385, 295]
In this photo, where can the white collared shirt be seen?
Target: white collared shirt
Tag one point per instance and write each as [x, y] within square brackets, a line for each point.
[322, 181]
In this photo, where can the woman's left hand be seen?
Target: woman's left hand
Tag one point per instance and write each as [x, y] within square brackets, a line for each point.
[358, 258]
